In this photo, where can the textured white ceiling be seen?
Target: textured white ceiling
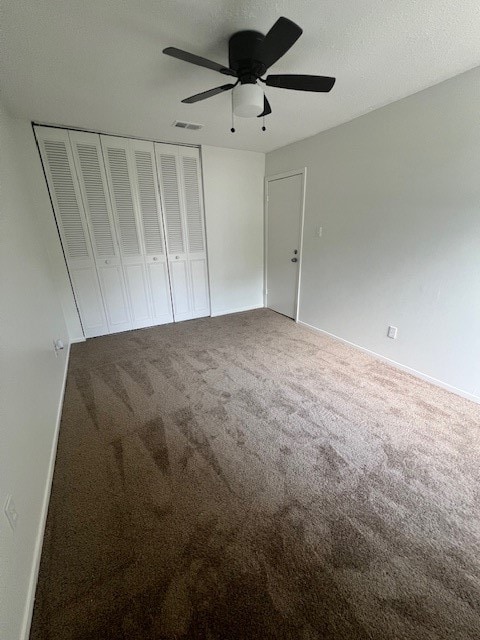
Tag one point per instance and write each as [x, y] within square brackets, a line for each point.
[98, 63]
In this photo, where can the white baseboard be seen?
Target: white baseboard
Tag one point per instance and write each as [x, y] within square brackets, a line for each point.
[37, 554]
[77, 340]
[225, 312]
[398, 365]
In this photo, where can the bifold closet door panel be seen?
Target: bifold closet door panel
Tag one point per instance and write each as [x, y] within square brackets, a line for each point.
[199, 275]
[191, 182]
[113, 287]
[169, 179]
[119, 176]
[89, 301]
[67, 203]
[87, 154]
[151, 224]
[179, 178]
[180, 289]
[136, 205]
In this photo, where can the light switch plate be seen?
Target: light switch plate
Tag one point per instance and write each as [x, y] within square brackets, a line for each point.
[392, 332]
[11, 512]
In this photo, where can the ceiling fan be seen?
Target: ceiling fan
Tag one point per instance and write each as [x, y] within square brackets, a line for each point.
[250, 54]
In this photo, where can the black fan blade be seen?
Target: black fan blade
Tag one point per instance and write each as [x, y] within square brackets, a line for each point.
[301, 83]
[267, 109]
[278, 41]
[208, 94]
[198, 60]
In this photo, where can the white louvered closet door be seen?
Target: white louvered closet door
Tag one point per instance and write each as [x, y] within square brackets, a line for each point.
[190, 172]
[123, 180]
[151, 224]
[182, 203]
[87, 153]
[64, 190]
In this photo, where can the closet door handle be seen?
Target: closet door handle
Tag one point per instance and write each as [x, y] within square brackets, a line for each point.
[155, 258]
[107, 261]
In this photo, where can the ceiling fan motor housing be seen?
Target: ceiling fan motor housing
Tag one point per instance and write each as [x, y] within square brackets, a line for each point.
[245, 57]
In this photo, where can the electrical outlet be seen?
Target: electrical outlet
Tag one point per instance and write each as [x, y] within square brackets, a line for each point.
[392, 332]
[58, 346]
[11, 512]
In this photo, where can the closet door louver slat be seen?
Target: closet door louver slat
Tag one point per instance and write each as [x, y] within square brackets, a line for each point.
[56, 153]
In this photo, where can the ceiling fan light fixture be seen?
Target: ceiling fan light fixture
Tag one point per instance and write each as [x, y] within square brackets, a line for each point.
[247, 100]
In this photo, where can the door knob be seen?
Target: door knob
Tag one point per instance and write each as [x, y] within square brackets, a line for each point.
[107, 261]
[177, 257]
[295, 251]
[294, 259]
[155, 258]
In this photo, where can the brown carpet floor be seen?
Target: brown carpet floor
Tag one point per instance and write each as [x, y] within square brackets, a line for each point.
[242, 478]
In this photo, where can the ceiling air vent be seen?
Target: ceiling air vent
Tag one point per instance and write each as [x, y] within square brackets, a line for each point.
[187, 125]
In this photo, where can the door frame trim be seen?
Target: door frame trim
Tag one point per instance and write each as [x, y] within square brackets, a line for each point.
[279, 176]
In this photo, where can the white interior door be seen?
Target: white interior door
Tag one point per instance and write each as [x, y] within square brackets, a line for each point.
[182, 202]
[64, 190]
[283, 229]
[88, 158]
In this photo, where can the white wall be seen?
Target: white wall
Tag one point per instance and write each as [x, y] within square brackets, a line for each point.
[397, 193]
[233, 191]
[31, 376]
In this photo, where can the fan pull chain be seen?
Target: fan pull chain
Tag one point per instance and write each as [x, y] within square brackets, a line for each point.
[233, 121]
[264, 128]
